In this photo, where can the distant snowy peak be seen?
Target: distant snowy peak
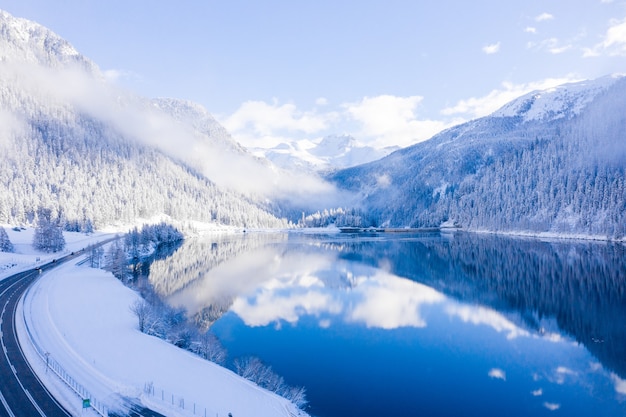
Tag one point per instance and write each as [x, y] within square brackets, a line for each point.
[23, 41]
[332, 152]
[564, 101]
[335, 145]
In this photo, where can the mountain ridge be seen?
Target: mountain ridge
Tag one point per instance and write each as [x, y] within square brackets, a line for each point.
[94, 154]
[562, 172]
[329, 153]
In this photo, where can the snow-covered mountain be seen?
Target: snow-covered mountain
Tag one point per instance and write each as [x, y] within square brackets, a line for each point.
[23, 41]
[328, 154]
[73, 143]
[565, 101]
[550, 161]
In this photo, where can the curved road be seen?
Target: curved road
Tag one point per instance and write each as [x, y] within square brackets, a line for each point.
[21, 391]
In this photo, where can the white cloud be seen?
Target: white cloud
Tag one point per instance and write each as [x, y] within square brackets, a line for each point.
[10, 127]
[485, 316]
[552, 45]
[562, 373]
[388, 302]
[543, 17]
[552, 406]
[497, 373]
[530, 29]
[565, 370]
[378, 121]
[272, 306]
[115, 75]
[482, 106]
[620, 384]
[383, 181]
[537, 392]
[492, 49]
[321, 101]
[266, 119]
[614, 42]
[391, 120]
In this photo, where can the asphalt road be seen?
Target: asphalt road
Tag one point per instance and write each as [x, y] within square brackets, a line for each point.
[21, 391]
[22, 394]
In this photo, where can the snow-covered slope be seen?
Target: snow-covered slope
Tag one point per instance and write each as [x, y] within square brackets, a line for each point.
[198, 118]
[551, 161]
[24, 41]
[565, 101]
[71, 142]
[328, 154]
[95, 339]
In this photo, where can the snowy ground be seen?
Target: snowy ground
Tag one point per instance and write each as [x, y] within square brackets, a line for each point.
[80, 317]
[26, 257]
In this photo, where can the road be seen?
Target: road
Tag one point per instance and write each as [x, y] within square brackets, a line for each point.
[21, 391]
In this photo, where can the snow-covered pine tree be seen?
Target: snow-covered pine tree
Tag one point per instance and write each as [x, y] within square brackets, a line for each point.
[48, 234]
[5, 242]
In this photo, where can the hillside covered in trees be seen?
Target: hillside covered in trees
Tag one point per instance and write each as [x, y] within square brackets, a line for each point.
[94, 155]
[551, 161]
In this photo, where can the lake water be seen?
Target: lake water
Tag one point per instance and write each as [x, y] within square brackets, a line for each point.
[417, 325]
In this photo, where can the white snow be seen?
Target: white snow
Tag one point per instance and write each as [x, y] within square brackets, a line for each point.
[26, 257]
[563, 101]
[80, 316]
[327, 153]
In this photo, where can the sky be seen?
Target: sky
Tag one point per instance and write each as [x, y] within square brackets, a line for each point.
[390, 72]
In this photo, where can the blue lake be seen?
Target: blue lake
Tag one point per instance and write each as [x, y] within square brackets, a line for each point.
[424, 324]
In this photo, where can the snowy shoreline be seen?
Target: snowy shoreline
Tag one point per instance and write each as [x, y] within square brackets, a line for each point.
[80, 317]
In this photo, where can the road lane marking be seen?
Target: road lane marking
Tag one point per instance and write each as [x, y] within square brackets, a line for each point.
[32, 400]
[6, 405]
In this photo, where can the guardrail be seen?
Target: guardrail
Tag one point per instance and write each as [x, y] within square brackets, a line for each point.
[89, 401]
[166, 398]
[175, 401]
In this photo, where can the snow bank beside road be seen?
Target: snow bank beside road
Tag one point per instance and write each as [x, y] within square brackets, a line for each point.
[26, 257]
[81, 316]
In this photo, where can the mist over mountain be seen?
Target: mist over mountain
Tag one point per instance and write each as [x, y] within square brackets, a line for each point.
[550, 161]
[74, 143]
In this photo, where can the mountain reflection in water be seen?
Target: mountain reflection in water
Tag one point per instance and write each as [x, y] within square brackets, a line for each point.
[559, 292]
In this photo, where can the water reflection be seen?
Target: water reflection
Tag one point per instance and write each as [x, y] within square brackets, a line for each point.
[457, 293]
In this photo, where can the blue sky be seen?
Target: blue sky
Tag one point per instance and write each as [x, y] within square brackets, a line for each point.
[387, 72]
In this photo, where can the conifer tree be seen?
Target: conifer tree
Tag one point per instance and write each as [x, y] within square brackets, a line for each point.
[5, 242]
[48, 234]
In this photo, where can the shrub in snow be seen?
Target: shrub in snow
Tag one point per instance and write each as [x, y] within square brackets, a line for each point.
[253, 369]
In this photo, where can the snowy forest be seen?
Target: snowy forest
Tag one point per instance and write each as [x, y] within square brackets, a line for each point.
[562, 173]
[81, 169]
[94, 155]
[552, 161]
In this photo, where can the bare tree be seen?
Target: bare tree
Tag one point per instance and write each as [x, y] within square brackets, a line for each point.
[96, 254]
[253, 369]
[150, 321]
[117, 262]
[209, 347]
